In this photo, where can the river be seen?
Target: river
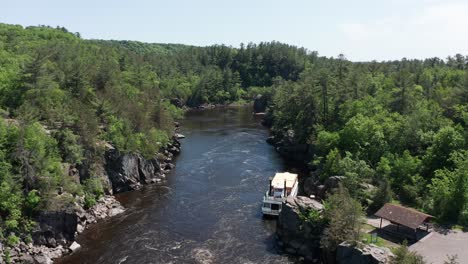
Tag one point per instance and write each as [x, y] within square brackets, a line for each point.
[208, 210]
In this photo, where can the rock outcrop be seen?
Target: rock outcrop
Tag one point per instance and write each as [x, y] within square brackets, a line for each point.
[56, 232]
[123, 171]
[296, 236]
[289, 148]
[55, 228]
[260, 104]
[312, 186]
[129, 171]
[362, 254]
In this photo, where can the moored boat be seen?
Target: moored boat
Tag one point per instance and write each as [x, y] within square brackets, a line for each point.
[282, 185]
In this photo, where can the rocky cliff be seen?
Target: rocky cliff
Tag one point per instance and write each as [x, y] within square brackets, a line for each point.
[295, 235]
[129, 171]
[56, 231]
[289, 148]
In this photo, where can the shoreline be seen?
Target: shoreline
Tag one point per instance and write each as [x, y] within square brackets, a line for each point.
[79, 219]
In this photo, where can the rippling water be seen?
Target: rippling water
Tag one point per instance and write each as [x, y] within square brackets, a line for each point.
[208, 211]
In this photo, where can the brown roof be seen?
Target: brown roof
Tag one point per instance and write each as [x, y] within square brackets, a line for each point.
[403, 215]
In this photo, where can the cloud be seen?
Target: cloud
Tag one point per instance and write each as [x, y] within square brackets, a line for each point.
[433, 29]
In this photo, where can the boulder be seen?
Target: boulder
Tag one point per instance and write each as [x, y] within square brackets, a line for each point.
[310, 186]
[79, 229]
[74, 246]
[333, 182]
[362, 254]
[260, 104]
[296, 236]
[26, 259]
[41, 259]
[116, 211]
[55, 228]
[123, 171]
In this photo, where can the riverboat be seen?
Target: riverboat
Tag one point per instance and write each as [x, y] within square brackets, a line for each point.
[282, 186]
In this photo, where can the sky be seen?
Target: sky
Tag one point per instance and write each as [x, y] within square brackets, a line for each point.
[362, 30]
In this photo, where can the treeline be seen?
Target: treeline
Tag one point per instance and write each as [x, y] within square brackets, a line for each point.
[397, 125]
[65, 100]
[400, 126]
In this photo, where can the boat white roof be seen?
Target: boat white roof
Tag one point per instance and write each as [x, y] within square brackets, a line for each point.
[278, 180]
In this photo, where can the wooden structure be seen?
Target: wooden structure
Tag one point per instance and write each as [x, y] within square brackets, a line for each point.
[404, 216]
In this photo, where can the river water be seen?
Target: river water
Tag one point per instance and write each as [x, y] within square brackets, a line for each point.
[208, 211]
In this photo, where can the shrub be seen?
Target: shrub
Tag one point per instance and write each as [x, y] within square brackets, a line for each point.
[12, 240]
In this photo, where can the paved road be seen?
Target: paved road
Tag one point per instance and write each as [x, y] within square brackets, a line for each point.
[436, 246]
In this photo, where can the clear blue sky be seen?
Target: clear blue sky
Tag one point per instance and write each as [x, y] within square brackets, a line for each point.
[361, 29]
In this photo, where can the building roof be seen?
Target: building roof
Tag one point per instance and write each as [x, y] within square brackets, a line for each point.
[278, 180]
[403, 215]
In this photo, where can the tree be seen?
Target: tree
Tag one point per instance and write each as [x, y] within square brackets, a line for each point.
[449, 188]
[404, 256]
[345, 219]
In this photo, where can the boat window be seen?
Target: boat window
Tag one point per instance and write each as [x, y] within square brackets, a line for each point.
[266, 205]
[275, 206]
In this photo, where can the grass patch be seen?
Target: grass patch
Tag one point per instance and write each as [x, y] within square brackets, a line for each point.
[367, 238]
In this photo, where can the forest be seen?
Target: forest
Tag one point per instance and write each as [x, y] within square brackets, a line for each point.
[398, 125]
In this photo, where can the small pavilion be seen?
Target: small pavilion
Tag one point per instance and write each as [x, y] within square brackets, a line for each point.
[407, 220]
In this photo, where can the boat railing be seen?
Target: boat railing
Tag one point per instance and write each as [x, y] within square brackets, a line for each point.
[273, 198]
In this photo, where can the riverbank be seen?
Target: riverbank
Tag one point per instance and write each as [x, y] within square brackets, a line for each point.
[214, 106]
[207, 210]
[56, 231]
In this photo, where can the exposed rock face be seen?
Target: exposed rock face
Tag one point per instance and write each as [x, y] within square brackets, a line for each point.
[260, 104]
[148, 170]
[312, 186]
[122, 170]
[55, 228]
[128, 172]
[362, 254]
[296, 236]
[56, 232]
[288, 147]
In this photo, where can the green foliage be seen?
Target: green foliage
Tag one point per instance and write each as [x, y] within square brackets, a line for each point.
[32, 201]
[326, 141]
[12, 240]
[314, 218]
[345, 218]
[382, 195]
[93, 190]
[70, 149]
[397, 125]
[404, 256]
[449, 190]
[391, 124]
[445, 142]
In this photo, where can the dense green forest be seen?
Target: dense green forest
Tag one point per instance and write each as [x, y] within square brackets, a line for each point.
[63, 99]
[398, 125]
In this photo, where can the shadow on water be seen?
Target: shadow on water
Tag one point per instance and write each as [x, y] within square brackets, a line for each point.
[208, 211]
